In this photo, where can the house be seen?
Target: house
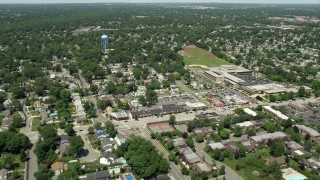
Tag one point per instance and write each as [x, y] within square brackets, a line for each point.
[279, 160]
[298, 107]
[106, 144]
[108, 158]
[59, 167]
[204, 131]
[101, 134]
[304, 130]
[7, 103]
[201, 167]
[249, 145]
[99, 175]
[297, 153]
[263, 139]
[179, 143]
[312, 163]
[64, 144]
[218, 145]
[37, 104]
[292, 146]
[82, 119]
[120, 139]
[246, 125]
[232, 147]
[7, 121]
[3, 174]
[188, 156]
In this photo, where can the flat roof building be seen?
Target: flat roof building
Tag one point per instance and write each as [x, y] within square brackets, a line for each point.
[217, 145]
[307, 130]
[264, 138]
[250, 112]
[275, 113]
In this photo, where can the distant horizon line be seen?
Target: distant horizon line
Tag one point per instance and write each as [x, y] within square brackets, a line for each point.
[317, 3]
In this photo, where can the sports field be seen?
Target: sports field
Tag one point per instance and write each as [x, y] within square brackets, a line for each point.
[201, 57]
[160, 127]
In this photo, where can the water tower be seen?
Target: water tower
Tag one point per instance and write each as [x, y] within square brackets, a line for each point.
[104, 42]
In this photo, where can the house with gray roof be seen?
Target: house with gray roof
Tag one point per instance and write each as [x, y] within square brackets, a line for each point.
[188, 156]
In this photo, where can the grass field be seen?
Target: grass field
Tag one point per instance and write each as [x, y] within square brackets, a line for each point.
[202, 57]
[36, 122]
[246, 173]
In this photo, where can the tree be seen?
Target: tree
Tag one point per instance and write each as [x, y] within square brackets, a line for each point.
[224, 133]
[15, 175]
[251, 132]
[269, 126]
[277, 149]
[172, 120]
[17, 122]
[190, 142]
[142, 100]
[142, 156]
[222, 170]
[48, 131]
[76, 145]
[18, 142]
[170, 145]
[272, 98]
[111, 130]
[302, 92]
[69, 130]
[185, 171]
[151, 97]
[199, 138]
[237, 131]
[90, 130]
[287, 123]
[94, 88]
[185, 135]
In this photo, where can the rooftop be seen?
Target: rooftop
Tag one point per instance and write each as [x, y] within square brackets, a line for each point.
[250, 112]
[309, 130]
[276, 113]
[268, 136]
[246, 124]
[217, 145]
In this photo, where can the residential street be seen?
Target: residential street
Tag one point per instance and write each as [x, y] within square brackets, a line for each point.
[90, 154]
[31, 164]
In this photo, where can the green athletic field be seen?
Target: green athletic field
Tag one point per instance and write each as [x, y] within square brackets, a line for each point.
[203, 58]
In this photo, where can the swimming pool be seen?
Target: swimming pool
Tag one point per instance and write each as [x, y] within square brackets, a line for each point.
[129, 177]
[298, 177]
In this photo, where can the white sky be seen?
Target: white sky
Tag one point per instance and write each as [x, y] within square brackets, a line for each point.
[165, 1]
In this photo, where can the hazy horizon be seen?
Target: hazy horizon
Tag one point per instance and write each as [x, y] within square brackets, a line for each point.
[159, 1]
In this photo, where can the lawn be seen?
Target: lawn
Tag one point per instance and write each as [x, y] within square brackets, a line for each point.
[36, 122]
[202, 57]
[246, 173]
[34, 113]
[92, 138]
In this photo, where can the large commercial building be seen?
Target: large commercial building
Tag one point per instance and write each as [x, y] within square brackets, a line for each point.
[242, 78]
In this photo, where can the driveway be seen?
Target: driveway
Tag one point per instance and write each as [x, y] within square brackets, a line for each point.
[89, 154]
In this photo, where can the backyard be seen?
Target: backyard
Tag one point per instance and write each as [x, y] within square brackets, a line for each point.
[250, 172]
[36, 122]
